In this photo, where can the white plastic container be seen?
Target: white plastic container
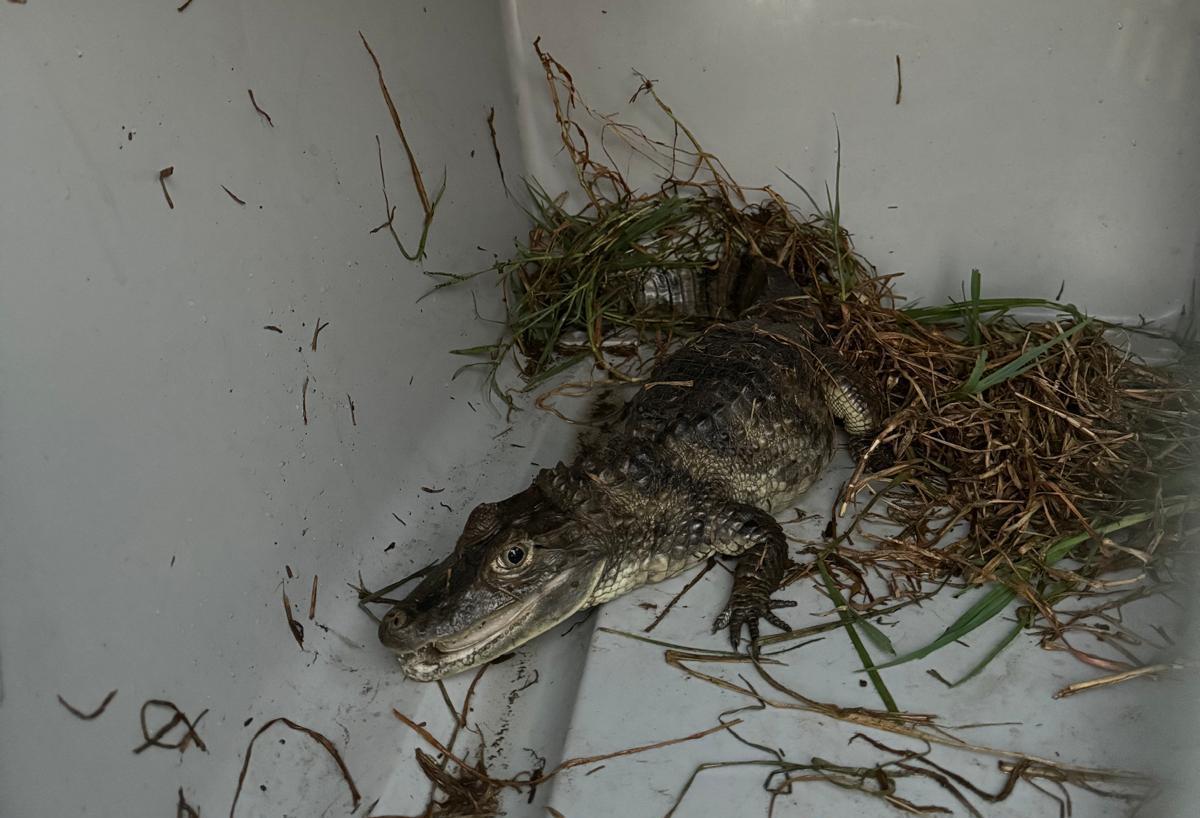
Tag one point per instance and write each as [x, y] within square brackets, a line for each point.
[165, 461]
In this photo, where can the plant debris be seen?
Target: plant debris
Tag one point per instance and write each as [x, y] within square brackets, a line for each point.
[261, 112]
[95, 713]
[293, 624]
[491, 123]
[519, 783]
[312, 600]
[189, 737]
[182, 808]
[317, 331]
[186, 3]
[427, 207]
[465, 794]
[708, 566]
[163, 175]
[325, 743]
[232, 195]
[899, 80]
[273, 328]
[350, 401]
[879, 780]
[1116, 678]
[304, 400]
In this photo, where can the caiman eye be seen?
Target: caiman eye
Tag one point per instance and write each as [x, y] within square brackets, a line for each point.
[512, 558]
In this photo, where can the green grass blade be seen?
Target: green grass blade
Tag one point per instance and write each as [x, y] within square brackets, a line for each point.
[992, 603]
[836, 210]
[973, 314]
[816, 207]
[998, 598]
[1020, 364]
[878, 638]
[976, 372]
[958, 310]
[1008, 639]
[847, 616]
[563, 365]
[465, 367]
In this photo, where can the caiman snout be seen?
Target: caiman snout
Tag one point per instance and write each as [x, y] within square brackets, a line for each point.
[393, 621]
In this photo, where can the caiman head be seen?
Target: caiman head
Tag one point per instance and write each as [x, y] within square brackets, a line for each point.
[520, 567]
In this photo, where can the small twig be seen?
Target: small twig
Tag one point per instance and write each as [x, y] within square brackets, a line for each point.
[684, 384]
[353, 419]
[182, 808]
[294, 626]
[418, 182]
[427, 207]
[263, 113]
[155, 740]
[491, 122]
[516, 783]
[162, 181]
[699, 576]
[582, 760]
[312, 600]
[274, 328]
[186, 3]
[899, 80]
[940, 677]
[317, 331]
[304, 400]
[95, 713]
[232, 195]
[325, 743]
[460, 716]
[848, 616]
[1116, 678]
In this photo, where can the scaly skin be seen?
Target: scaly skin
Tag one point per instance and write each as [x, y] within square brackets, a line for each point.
[730, 429]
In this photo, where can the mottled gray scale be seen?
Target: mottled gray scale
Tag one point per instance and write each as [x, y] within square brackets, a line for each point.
[852, 398]
[729, 429]
[739, 412]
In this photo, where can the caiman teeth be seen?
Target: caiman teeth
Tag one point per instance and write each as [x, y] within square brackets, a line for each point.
[486, 629]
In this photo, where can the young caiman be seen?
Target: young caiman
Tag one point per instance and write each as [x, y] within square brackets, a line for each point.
[729, 430]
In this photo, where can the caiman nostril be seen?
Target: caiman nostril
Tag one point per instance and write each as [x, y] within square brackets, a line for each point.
[393, 620]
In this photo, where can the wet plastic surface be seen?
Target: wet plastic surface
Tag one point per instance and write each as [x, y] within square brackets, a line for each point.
[158, 476]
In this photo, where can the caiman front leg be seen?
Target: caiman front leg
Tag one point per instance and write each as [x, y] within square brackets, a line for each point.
[857, 402]
[757, 539]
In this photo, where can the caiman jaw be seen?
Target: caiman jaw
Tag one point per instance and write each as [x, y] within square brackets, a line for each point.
[445, 656]
[486, 630]
[500, 631]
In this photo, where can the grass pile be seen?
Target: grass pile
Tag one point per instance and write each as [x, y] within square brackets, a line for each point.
[600, 280]
[1035, 457]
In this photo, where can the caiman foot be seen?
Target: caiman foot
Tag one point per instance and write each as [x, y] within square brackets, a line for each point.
[755, 536]
[746, 609]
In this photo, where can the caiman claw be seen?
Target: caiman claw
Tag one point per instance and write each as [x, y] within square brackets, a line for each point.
[746, 609]
[762, 562]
